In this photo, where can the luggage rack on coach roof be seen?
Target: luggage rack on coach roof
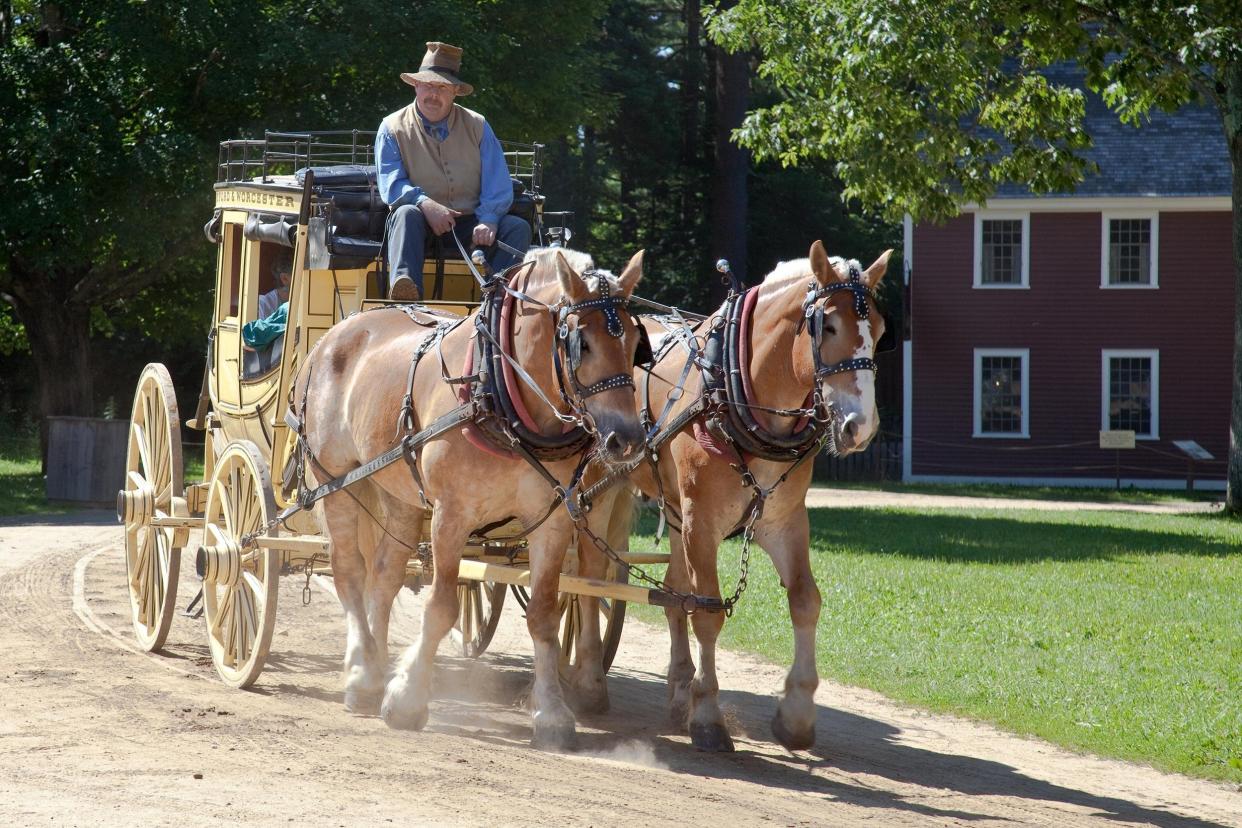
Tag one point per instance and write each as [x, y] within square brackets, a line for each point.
[284, 153]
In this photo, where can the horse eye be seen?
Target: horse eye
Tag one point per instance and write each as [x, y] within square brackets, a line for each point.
[586, 346]
[831, 330]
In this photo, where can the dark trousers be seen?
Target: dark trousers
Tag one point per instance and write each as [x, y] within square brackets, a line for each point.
[408, 233]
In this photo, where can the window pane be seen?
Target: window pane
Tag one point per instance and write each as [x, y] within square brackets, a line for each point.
[1002, 252]
[1001, 395]
[1129, 251]
[1129, 394]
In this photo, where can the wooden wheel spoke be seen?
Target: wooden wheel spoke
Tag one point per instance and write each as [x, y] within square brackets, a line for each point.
[232, 505]
[478, 607]
[139, 566]
[241, 621]
[216, 629]
[144, 456]
[140, 579]
[256, 591]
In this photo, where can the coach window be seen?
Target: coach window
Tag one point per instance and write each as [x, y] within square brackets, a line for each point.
[1002, 250]
[1130, 392]
[1002, 392]
[230, 275]
[1129, 250]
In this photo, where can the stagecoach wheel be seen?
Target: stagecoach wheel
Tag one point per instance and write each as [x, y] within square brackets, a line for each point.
[478, 615]
[240, 579]
[611, 618]
[153, 478]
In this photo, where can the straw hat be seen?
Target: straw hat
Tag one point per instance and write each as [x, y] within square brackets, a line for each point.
[440, 65]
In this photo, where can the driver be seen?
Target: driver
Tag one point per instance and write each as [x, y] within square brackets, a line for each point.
[440, 168]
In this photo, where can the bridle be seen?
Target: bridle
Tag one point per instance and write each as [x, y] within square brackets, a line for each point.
[569, 342]
[813, 318]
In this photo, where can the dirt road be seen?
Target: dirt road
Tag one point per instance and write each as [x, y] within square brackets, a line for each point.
[94, 733]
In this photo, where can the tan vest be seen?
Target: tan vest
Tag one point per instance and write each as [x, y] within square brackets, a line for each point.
[450, 172]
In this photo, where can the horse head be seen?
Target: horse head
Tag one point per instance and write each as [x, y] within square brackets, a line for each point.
[596, 343]
[839, 328]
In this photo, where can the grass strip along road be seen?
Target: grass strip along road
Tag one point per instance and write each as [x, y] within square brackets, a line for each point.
[1118, 633]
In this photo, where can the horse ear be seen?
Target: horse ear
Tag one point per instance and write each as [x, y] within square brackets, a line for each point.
[632, 274]
[878, 268]
[824, 272]
[572, 285]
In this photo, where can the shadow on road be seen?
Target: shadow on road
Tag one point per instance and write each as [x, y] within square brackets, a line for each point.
[485, 700]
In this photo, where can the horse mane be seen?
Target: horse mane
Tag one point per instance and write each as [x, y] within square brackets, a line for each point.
[581, 262]
[795, 274]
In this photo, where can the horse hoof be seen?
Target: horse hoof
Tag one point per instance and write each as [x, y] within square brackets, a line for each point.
[558, 737]
[712, 737]
[679, 704]
[404, 719]
[362, 702]
[590, 701]
[788, 738]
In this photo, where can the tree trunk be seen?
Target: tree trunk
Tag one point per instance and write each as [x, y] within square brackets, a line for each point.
[729, 200]
[59, 339]
[691, 95]
[1232, 112]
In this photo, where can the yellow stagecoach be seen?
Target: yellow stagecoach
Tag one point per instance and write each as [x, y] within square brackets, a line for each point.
[311, 195]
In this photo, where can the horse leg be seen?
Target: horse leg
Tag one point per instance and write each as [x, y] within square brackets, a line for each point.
[342, 519]
[409, 690]
[680, 661]
[610, 520]
[404, 527]
[786, 542]
[553, 720]
[707, 725]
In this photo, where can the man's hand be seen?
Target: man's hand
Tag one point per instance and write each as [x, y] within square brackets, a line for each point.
[439, 218]
[484, 235]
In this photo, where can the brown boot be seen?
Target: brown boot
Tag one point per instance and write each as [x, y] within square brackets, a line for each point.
[403, 289]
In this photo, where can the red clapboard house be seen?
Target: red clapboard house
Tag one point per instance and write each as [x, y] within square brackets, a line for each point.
[1038, 322]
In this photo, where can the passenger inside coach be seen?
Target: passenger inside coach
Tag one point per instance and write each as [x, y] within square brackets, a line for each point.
[262, 338]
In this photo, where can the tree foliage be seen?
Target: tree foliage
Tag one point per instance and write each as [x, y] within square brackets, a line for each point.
[924, 106]
[112, 110]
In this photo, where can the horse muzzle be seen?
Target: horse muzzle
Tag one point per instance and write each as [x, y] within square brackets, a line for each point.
[620, 443]
[854, 432]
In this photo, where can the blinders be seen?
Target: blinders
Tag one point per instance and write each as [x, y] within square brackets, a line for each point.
[643, 354]
[571, 338]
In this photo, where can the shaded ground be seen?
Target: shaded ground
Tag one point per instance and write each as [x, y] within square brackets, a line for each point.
[874, 498]
[93, 733]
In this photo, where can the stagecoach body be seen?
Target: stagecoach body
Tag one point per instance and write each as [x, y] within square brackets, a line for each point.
[331, 220]
[260, 203]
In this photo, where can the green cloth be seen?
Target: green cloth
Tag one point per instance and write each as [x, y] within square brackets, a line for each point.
[263, 332]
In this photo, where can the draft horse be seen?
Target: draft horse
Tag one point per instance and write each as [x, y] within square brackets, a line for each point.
[561, 340]
[782, 370]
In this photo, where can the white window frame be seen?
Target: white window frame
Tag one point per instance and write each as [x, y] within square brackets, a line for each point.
[1025, 355]
[1002, 215]
[1106, 219]
[1106, 355]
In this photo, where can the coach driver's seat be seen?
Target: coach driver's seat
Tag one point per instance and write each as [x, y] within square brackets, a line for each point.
[347, 229]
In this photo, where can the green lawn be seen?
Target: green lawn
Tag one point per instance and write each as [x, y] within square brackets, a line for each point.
[1072, 493]
[1117, 633]
[21, 488]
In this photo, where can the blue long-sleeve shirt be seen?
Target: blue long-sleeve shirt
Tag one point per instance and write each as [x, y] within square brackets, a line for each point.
[264, 331]
[495, 190]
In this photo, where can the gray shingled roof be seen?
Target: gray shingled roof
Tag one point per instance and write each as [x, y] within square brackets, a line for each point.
[1179, 153]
